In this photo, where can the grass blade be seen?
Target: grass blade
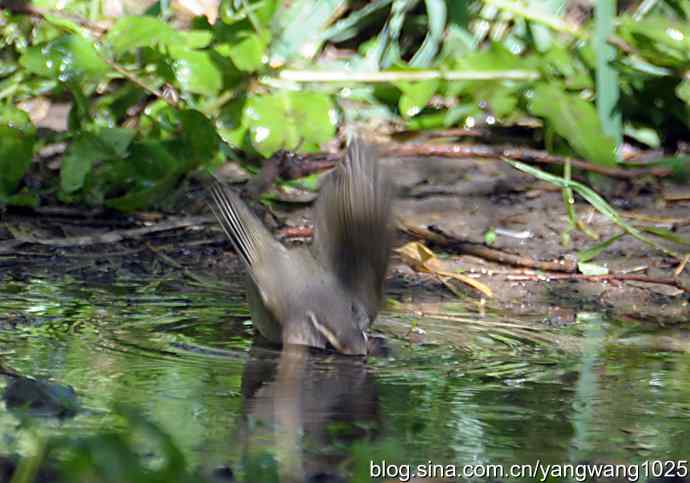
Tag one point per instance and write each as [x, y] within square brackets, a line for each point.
[595, 200]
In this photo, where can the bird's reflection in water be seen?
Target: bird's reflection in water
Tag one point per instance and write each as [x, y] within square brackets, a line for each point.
[306, 407]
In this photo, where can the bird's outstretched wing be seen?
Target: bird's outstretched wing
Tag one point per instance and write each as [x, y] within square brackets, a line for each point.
[352, 231]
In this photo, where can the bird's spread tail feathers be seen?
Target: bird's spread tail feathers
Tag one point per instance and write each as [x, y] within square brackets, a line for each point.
[241, 226]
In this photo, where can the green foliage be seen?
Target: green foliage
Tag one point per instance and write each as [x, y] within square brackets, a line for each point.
[152, 101]
[18, 136]
[117, 456]
[575, 120]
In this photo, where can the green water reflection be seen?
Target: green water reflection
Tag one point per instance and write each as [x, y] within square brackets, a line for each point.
[595, 391]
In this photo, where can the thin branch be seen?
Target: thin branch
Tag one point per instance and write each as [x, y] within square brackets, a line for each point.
[468, 248]
[136, 80]
[526, 155]
[602, 278]
[395, 76]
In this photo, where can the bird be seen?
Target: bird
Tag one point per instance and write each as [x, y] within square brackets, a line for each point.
[328, 294]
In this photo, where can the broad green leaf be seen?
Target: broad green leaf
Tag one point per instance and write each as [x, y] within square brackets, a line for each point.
[287, 119]
[151, 161]
[116, 139]
[660, 41]
[196, 39]
[196, 72]
[199, 139]
[415, 96]
[131, 33]
[79, 159]
[269, 129]
[575, 120]
[17, 138]
[232, 128]
[143, 198]
[502, 100]
[496, 57]
[89, 147]
[315, 117]
[67, 58]
[247, 51]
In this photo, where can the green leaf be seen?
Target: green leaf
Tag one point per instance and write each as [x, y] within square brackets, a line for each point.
[415, 96]
[131, 33]
[593, 199]
[643, 134]
[87, 148]
[67, 58]
[140, 199]
[436, 18]
[116, 139]
[576, 121]
[197, 39]
[261, 13]
[199, 139]
[17, 138]
[195, 71]
[667, 234]
[151, 161]
[299, 25]
[79, 159]
[348, 27]
[683, 91]
[592, 269]
[21, 199]
[660, 40]
[315, 116]
[596, 250]
[287, 119]
[268, 129]
[247, 52]
[608, 91]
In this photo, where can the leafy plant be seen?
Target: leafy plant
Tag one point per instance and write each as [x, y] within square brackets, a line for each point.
[151, 101]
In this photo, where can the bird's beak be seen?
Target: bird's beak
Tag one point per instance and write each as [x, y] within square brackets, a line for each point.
[356, 349]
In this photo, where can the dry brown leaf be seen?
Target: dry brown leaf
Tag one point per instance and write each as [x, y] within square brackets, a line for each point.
[422, 259]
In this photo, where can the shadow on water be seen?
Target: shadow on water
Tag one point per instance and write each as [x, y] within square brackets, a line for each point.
[451, 387]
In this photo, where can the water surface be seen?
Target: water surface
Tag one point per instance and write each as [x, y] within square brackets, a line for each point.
[452, 388]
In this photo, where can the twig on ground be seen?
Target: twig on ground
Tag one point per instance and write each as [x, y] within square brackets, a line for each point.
[475, 249]
[526, 155]
[622, 277]
[295, 232]
[682, 265]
